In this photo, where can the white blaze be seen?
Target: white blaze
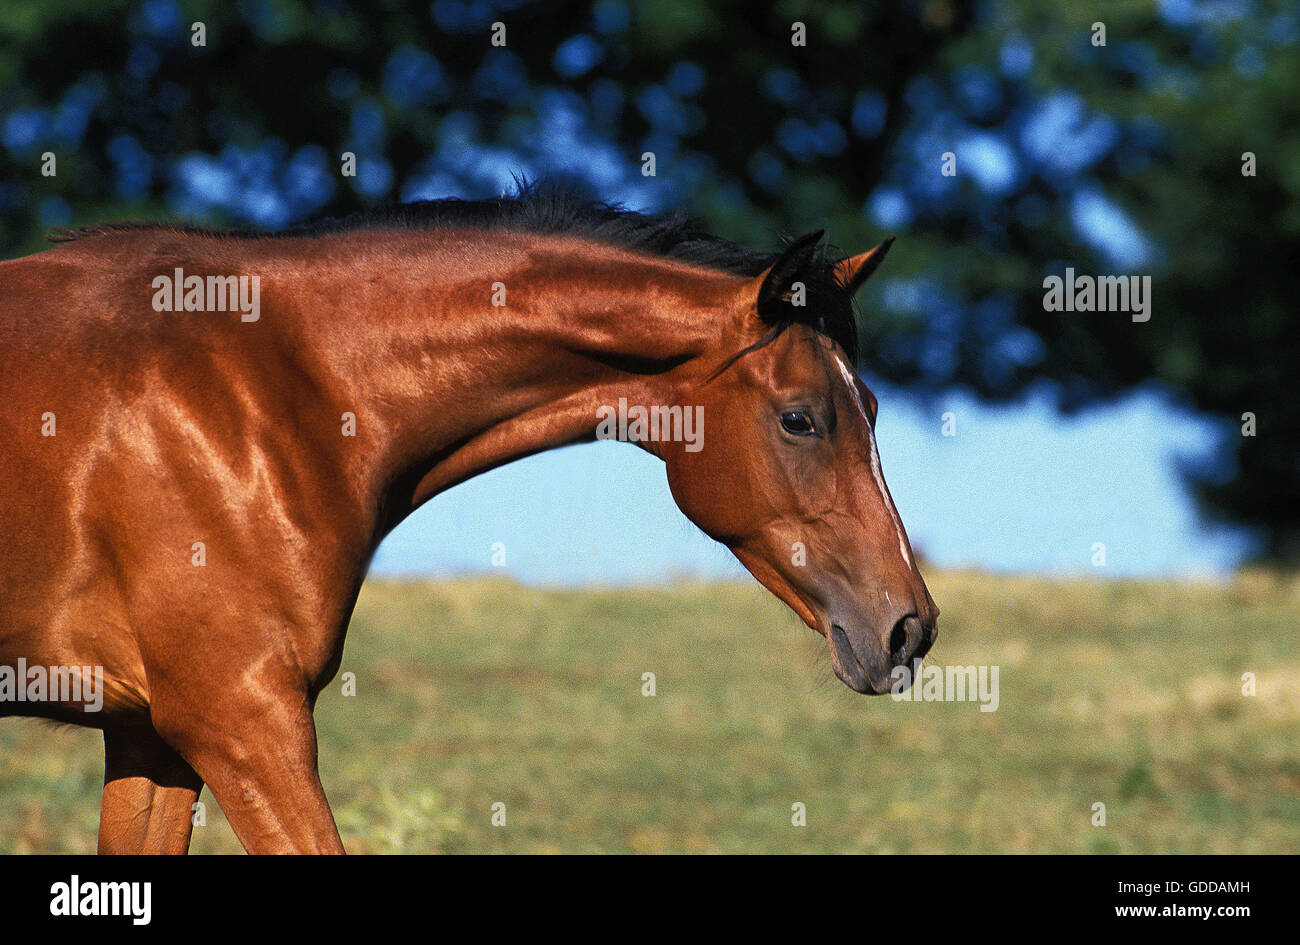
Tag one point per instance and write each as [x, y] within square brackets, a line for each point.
[875, 460]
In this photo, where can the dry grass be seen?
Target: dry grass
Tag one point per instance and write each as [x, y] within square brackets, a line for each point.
[474, 692]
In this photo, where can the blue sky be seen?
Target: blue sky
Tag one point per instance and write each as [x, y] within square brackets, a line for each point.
[1017, 489]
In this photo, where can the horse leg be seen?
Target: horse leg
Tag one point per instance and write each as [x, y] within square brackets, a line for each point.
[149, 794]
[259, 759]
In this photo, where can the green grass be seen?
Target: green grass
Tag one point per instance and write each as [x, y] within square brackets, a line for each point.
[474, 692]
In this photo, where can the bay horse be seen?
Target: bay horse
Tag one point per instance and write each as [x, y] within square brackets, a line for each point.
[195, 486]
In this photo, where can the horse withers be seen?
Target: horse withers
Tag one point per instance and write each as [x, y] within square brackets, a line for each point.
[208, 433]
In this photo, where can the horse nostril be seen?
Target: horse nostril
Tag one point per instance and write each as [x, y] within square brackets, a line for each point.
[899, 642]
[910, 640]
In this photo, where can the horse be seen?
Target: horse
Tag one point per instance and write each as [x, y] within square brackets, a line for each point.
[209, 432]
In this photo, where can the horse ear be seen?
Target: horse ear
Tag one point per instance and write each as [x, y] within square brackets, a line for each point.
[780, 277]
[855, 270]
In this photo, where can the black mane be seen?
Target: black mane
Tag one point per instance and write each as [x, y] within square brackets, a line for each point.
[549, 209]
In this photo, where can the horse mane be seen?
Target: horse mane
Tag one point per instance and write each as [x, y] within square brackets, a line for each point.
[547, 208]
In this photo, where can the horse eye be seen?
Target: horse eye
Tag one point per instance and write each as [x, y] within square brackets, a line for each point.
[797, 422]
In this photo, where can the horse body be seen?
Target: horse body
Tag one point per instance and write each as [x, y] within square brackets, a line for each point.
[193, 498]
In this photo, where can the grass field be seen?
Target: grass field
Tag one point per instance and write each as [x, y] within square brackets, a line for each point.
[475, 692]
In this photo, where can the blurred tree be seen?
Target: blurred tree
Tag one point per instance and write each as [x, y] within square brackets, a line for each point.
[1122, 158]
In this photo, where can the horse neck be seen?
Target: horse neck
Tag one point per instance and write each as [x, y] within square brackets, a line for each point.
[461, 352]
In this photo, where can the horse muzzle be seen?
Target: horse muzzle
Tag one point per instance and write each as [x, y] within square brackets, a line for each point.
[869, 665]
